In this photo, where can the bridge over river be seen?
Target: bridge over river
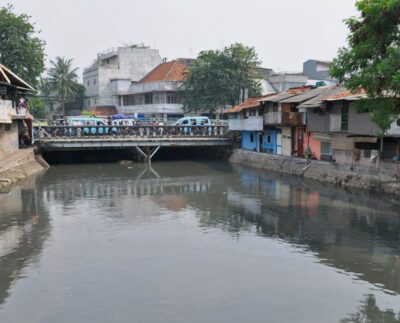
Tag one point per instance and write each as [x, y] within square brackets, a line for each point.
[146, 139]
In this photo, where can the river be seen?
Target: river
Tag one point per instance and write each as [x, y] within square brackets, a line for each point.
[194, 242]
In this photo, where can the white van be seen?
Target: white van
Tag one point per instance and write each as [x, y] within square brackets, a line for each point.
[193, 121]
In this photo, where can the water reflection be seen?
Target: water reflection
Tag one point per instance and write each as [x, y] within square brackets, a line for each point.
[24, 226]
[369, 311]
[352, 232]
[358, 233]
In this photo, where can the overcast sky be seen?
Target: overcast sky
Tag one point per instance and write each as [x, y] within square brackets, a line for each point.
[285, 33]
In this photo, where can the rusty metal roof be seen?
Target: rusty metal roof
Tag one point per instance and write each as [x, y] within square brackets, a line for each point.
[252, 102]
[348, 95]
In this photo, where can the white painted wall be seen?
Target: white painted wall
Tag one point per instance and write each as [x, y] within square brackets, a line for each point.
[250, 124]
[286, 141]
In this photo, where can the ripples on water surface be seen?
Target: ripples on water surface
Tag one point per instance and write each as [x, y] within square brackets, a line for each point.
[194, 242]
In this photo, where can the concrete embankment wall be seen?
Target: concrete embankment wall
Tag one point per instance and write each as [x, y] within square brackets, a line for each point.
[322, 171]
[19, 166]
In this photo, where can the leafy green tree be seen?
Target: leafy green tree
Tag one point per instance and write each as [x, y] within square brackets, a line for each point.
[217, 78]
[37, 108]
[77, 101]
[20, 48]
[63, 80]
[372, 59]
[46, 95]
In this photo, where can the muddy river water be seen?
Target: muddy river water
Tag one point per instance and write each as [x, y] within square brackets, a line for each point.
[194, 242]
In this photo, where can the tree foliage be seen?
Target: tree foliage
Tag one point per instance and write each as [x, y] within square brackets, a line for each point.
[62, 81]
[37, 108]
[217, 78]
[372, 58]
[76, 102]
[20, 48]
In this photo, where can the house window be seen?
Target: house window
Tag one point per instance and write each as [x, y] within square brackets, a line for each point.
[128, 99]
[108, 61]
[148, 98]
[94, 81]
[252, 137]
[172, 99]
[88, 82]
[7, 126]
[268, 138]
[345, 118]
[326, 148]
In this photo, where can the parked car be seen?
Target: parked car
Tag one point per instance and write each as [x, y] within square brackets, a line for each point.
[193, 121]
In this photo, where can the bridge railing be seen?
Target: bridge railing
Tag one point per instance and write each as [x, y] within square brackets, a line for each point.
[81, 132]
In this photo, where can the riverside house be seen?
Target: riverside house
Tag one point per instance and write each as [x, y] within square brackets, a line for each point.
[321, 123]
[273, 123]
[247, 118]
[348, 136]
[13, 111]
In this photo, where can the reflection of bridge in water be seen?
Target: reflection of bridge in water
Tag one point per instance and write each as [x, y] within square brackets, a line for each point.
[146, 139]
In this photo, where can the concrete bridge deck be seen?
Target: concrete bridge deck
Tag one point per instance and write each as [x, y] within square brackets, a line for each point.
[109, 142]
[146, 139]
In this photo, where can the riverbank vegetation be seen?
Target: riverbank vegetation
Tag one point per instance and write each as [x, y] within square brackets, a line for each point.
[371, 60]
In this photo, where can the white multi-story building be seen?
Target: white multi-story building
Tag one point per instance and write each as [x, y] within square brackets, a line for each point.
[158, 94]
[121, 65]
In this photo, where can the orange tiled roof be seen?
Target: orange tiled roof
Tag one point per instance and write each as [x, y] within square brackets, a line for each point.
[252, 102]
[344, 94]
[169, 71]
[107, 110]
[299, 89]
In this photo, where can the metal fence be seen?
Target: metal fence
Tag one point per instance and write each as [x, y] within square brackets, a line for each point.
[49, 132]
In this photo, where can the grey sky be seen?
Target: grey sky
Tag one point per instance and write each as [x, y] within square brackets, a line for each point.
[284, 32]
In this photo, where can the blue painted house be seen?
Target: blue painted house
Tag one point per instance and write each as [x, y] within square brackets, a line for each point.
[270, 139]
[248, 119]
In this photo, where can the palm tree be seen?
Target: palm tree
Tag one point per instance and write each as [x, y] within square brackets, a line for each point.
[63, 79]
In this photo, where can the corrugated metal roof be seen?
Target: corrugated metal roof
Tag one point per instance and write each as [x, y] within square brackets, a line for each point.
[9, 78]
[305, 95]
[277, 97]
[319, 99]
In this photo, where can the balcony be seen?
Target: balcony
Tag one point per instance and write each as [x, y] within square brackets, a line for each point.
[151, 108]
[250, 124]
[273, 118]
[8, 112]
[294, 119]
[154, 86]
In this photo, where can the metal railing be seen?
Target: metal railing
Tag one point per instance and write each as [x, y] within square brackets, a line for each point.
[136, 131]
